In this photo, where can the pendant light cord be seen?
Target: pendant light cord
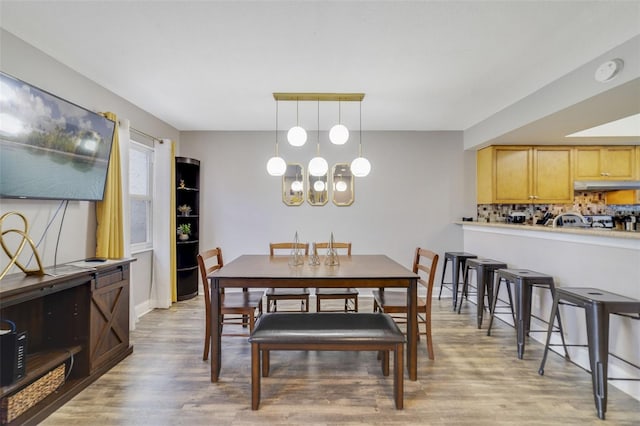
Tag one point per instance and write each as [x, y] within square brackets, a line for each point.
[277, 102]
[318, 147]
[360, 144]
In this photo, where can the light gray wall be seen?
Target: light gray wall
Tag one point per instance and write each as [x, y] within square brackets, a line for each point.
[418, 185]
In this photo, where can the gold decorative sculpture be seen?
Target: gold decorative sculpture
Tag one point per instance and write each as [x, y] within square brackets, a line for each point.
[13, 257]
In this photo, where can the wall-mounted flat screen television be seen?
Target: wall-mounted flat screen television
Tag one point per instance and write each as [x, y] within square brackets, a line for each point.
[50, 148]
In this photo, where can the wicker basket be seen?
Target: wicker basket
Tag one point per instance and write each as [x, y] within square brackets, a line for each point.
[14, 405]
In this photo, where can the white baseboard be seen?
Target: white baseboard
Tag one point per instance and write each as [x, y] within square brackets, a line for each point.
[142, 308]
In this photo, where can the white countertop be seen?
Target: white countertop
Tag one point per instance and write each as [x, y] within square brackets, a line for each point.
[610, 233]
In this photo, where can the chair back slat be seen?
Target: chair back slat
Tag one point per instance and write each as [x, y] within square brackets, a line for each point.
[345, 246]
[206, 268]
[425, 262]
[287, 246]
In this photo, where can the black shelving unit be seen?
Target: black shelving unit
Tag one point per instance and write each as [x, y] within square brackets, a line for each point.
[187, 193]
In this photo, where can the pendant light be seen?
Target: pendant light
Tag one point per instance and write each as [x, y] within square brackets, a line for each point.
[276, 166]
[296, 135]
[318, 166]
[360, 167]
[339, 134]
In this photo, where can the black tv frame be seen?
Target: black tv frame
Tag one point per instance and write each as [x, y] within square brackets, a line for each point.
[58, 133]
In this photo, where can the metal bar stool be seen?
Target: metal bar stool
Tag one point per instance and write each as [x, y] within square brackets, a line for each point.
[484, 269]
[597, 304]
[524, 280]
[458, 260]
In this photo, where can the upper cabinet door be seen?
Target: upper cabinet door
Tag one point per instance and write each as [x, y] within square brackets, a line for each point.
[512, 179]
[524, 175]
[605, 163]
[619, 162]
[552, 175]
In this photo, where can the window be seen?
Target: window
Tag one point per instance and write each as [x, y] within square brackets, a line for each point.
[140, 194]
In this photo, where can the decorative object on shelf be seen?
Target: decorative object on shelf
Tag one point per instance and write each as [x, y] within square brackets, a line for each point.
[184, 210]
[184, 230]
[181, 186]
[13, 255]
[14, 405]
[296, 258]
[331, 259]
[314, 259]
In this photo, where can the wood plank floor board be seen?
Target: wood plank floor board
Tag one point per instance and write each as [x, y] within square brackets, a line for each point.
[475, 380]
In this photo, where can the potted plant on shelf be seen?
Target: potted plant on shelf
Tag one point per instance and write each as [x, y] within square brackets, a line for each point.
[184, 230]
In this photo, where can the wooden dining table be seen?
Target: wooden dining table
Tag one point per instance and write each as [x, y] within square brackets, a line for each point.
[359, 271]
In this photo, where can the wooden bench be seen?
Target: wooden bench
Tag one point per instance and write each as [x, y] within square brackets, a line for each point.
[327, 332]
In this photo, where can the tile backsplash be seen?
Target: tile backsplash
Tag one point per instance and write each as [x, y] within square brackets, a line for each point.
[586, 203]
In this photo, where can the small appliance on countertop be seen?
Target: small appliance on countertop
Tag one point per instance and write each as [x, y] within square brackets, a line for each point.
[516, 217]
[600, 221]
[631, 223]
[570, 220]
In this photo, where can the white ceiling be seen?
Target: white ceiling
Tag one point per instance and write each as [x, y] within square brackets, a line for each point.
[423, 65]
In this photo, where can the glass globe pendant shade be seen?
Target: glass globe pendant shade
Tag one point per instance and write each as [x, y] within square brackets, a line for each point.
[318, 186]
[339, 134]
[296, 186]
[276, 166]
[341, 186]
[297, 136]
[360, 167]
[318, 166]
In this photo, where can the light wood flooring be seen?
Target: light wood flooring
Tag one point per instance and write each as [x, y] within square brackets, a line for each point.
[474, 380]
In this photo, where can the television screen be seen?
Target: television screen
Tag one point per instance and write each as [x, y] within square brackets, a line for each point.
[50, 148]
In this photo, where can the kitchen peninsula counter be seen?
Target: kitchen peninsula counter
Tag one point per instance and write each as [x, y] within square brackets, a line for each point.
[558, 232]
[575, 257]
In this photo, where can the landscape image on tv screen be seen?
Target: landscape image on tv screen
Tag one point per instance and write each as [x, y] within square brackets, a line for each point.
[50, 148]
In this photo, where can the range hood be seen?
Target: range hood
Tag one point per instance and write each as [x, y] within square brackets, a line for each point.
[605, 185]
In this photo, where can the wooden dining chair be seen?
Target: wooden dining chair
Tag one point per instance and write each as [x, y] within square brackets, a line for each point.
[395, 302]
[275, 294]
[346, 294]
[241, 306]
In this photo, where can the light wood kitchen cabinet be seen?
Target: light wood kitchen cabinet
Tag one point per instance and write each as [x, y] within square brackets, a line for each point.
[605, 162]
[524, 174]
[628, 196]
[622, 197]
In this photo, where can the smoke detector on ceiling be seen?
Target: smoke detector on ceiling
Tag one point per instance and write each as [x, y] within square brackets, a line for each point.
[607, 71]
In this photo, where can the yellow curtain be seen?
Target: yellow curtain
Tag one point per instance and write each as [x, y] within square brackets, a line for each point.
[172, 229]
[109, 232]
